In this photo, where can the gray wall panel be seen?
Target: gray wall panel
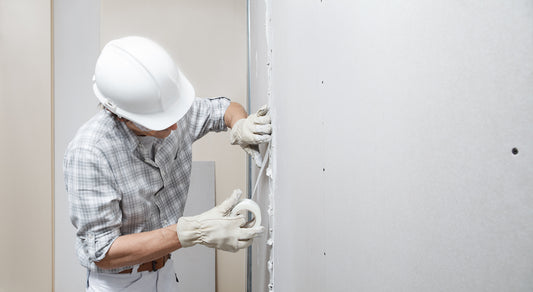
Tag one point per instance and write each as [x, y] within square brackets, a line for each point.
[195, 266]
[394, 124]
[76, 47]
[259, 95]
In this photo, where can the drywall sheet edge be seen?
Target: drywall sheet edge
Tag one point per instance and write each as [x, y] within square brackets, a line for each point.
[262, 262]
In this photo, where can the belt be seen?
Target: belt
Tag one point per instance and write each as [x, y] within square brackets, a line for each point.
[150, 266]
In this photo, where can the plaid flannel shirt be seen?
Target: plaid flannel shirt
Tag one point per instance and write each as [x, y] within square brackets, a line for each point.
[114, 189]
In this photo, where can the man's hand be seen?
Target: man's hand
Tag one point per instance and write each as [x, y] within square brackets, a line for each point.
[252, 131]
[216, 228]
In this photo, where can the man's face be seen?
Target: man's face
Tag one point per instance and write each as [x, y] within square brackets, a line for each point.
[162, 134]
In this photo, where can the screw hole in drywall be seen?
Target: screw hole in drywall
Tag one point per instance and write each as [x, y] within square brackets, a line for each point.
[515, 151]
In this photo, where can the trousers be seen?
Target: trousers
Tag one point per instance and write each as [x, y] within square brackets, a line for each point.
[162, 280]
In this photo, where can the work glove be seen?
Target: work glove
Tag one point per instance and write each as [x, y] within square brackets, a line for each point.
[217, 229]
[252, 131]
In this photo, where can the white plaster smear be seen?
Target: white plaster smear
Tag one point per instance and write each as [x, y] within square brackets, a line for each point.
[268, 165]
[262, 262]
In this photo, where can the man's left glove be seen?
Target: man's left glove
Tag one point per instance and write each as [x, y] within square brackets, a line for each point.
[216, 228]
[252, 131]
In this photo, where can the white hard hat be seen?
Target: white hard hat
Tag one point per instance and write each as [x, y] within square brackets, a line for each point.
[136, 79]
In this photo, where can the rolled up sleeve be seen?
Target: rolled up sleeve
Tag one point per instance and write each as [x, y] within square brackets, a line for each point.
[94, 203]
[207, 115]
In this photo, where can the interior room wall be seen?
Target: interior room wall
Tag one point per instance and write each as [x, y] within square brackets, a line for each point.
[208, 39]
[76, 47]
[402, 144]
[26, 148]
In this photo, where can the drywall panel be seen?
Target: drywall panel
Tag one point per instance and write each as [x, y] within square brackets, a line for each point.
[402, 144]
[195, 266]
[297, 152]
[261, 254]
[26, 146]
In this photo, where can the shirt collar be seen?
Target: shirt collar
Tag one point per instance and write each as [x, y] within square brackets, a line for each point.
[130, 139]
[165, 148]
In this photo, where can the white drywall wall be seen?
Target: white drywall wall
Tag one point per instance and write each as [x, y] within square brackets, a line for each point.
[261, 256]
[394, 127]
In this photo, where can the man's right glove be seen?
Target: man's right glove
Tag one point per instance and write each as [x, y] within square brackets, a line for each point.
[216, 228]
[252, 131]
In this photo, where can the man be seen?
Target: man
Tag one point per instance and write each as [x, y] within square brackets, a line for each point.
[127, 170]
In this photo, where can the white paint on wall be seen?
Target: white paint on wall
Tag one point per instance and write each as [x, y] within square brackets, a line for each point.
[394, 129]
[262, 264]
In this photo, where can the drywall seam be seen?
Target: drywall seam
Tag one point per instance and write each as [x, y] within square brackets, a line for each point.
[265, 175]
[270, 155]
[262, 190]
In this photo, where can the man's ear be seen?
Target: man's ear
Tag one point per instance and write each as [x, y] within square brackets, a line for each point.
[115, 115]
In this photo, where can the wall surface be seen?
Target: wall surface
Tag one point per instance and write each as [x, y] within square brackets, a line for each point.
[394, 124]
[207, 38]
[195, 266]
[26, 148]
[76, 47]
[261, 257]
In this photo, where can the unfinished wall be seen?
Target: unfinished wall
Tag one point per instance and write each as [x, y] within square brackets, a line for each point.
[402, 145]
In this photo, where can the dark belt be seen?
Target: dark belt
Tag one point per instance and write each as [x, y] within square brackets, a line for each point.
[149, 266]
